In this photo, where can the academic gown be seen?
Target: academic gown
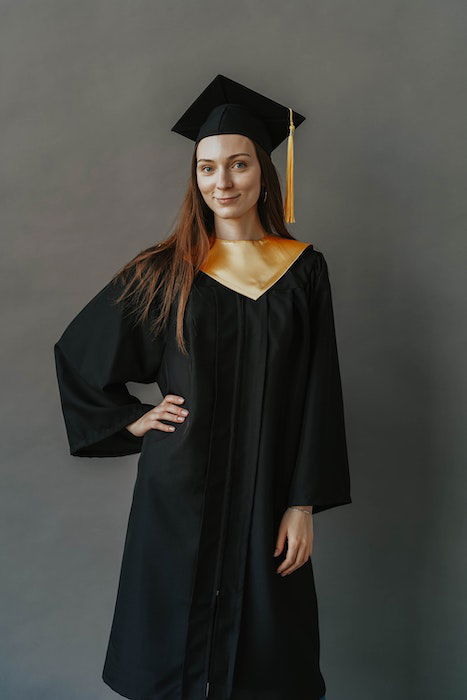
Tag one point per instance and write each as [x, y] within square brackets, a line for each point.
[200, 610]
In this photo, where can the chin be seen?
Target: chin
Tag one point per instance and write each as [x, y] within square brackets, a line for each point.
[227, 215]
[233, 212]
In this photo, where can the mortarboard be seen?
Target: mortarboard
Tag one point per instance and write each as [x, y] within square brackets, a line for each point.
[227, 107]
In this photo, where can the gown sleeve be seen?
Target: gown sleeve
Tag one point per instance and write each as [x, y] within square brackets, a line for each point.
[98, 352]
[321, 471]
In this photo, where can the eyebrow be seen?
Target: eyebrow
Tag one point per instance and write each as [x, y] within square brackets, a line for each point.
[235, 155]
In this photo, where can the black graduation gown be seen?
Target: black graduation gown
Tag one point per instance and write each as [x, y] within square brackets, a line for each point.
[200, 609]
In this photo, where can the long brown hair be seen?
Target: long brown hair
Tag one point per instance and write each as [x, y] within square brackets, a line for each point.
[168, 268]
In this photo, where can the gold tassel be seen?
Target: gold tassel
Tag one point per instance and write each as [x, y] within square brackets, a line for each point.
[289, 193]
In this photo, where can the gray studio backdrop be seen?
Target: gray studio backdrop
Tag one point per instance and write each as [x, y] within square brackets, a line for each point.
[91, 174]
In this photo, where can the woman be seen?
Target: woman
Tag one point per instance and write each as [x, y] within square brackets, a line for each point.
[232, 317]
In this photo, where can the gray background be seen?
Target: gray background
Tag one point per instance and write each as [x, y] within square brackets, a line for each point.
[91, 174]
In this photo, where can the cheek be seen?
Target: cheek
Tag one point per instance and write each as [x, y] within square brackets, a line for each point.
[203, 186]
[251, 183]
[251, 187]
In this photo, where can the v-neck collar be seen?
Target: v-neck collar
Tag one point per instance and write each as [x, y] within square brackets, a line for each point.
[251, 266]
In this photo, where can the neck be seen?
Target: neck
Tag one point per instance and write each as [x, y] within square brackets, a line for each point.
[254, 238]
[244, 228]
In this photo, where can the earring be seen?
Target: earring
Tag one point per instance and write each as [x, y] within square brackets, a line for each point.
[265, 196]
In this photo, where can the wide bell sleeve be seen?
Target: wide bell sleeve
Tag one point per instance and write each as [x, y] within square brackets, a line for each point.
[321, 472]
[99, 351]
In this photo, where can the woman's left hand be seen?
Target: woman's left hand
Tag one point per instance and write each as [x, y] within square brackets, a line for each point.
[298, 529]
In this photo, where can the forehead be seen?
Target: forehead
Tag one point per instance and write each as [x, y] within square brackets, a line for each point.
[221, 146]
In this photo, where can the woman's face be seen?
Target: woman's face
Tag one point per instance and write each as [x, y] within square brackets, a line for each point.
[228, 169]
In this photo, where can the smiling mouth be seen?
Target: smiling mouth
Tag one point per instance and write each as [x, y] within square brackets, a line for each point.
[227, 199]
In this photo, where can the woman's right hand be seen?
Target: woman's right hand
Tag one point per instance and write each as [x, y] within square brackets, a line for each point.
[167, 409]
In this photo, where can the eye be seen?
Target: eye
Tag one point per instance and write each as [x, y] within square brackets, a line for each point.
[204, 166]
[240, 162]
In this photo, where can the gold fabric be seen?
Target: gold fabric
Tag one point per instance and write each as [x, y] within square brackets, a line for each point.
[251, 267]
[289, 192]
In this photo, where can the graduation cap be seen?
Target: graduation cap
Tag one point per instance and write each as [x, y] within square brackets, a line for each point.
[227, 107]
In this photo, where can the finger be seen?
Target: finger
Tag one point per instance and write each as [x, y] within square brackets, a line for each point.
[300, 551]
[280, 541]
[157, 425]
[300, 560]
[171, 410]
[167, 415]
[168, 412]
[173, 398]
[290, 558]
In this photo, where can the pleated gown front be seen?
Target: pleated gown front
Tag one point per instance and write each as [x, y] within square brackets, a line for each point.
[200, 611]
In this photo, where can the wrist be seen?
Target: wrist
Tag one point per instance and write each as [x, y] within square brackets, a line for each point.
[306, 509]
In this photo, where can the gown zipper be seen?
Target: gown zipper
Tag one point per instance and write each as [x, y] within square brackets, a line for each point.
[226, 502]
[212, 632]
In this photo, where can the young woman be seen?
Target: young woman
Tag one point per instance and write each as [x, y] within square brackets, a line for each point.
[232, 317]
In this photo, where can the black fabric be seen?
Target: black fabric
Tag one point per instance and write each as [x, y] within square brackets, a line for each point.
[228, 107]
[99, 351]
[199, 600]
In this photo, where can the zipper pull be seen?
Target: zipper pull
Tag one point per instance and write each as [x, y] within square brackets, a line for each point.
[207, 690]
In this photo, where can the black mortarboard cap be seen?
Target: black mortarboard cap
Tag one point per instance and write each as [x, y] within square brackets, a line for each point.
[227, 107]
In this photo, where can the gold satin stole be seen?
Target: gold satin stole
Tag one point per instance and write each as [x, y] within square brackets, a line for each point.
[251, 267]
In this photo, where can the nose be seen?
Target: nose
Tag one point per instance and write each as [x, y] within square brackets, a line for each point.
[223, 179]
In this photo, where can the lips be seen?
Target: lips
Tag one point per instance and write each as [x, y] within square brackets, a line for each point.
[224, 200]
